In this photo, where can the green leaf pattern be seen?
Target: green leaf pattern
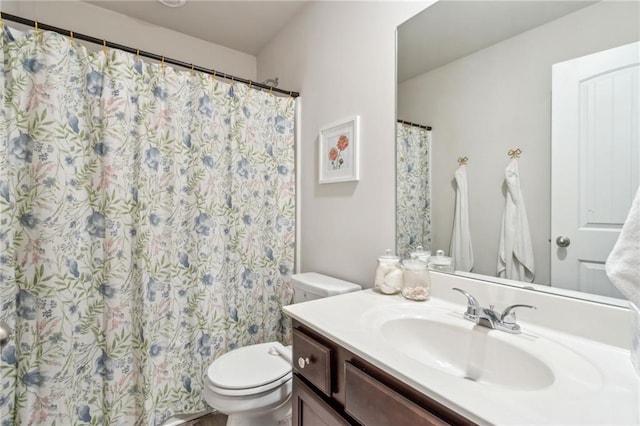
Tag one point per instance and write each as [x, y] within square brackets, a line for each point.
[147, 226]
[413, 194]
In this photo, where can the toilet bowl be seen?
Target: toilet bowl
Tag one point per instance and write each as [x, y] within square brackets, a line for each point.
[252, 385]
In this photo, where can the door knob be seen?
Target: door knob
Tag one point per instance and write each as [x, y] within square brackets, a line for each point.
[5, 333]
[563, 241]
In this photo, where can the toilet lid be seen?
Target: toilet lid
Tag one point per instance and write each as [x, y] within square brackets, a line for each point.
[248, 367]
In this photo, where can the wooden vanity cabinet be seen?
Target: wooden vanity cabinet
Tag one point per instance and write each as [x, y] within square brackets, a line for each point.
[334, 387]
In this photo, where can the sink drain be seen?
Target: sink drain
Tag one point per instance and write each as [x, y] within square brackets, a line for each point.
[469, 378]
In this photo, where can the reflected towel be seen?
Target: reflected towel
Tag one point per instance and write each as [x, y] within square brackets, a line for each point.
[515, 255]
[623, 263]
[461, 249]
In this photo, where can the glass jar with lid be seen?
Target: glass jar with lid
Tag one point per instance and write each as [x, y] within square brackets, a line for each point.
[421, 254]
[417, 284]
[388, 279]
[441, 263]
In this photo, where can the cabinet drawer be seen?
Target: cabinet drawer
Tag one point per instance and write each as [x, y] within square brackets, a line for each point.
[310, 410]
[312, 360]
[372, 403]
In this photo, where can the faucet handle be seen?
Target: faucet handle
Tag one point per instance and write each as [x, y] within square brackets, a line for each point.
[472, 305]
[471, 301]
[509, 317]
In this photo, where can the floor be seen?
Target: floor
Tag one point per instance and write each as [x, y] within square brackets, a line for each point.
[216, 419]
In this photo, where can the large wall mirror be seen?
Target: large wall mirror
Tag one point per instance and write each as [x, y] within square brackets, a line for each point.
[483, 75]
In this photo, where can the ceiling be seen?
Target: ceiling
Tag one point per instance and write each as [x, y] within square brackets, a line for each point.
[451, 29]
[245, 26]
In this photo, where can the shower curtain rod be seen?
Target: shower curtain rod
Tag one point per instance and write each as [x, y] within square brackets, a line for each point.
[40, 26]
[414, 124]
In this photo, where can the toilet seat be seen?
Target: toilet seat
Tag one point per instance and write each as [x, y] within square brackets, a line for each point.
[247, 370]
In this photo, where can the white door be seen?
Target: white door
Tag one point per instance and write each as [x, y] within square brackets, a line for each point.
[595, 169]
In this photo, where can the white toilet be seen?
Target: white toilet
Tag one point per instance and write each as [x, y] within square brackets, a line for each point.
[252, 385]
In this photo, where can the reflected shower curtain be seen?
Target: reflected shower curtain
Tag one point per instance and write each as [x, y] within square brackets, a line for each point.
[413, 193]
[146, 227]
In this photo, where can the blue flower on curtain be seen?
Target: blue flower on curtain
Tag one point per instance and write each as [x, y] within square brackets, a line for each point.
[207, 279]
[94, 83]
[107, 291]
[32, 65]
[104, 366]
[155, 350]
[204, 106]
[4, 191]
[9, 355]
[28, 220]
[84, 414]
[186, 140]
[101, 149]
[95, 225]
[186, 382]
[26, 305]
[243, 168]
[22, 147]
[282, 124]
[160, 93]
[204, 347]
[152, 286]
[202, 224]
[72, 119]
[152, 158]
[33, 378]
[154, 219]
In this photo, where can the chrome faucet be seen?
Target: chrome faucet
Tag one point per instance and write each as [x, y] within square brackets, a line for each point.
[487, 317]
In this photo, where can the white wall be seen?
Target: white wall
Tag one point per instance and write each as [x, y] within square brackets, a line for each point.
[498, 99]
[85, 18]
[341, 57]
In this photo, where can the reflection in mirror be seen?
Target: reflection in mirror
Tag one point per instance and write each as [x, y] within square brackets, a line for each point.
[480, 73]
[413, 216]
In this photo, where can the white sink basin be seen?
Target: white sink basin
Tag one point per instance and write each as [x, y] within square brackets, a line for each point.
[444, 340]
[471, 353]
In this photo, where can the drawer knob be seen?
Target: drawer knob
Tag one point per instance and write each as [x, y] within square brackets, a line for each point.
[302, 362]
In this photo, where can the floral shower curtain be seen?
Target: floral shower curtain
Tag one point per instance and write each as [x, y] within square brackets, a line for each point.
[413, 193]
[146, 227]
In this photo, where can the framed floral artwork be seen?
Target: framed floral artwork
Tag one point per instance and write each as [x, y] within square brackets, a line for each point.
[338, 151]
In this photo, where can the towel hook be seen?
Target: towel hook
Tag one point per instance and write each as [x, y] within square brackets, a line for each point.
[463, 160]
[514, 153]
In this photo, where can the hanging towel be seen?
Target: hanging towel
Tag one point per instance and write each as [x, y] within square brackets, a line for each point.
[461, 249]
[515, 255]
[623, 264]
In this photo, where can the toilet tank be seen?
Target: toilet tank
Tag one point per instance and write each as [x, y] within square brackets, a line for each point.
[311, 285]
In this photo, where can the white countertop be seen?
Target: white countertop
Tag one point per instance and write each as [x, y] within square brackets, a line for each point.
[607, 393]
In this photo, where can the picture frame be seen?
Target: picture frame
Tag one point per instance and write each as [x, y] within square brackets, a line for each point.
[338, 151]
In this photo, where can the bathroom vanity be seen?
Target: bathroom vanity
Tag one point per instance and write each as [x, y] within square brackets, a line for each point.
[333, 386]
[372, 359]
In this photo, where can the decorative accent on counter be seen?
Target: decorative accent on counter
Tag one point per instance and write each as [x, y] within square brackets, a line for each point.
[416, 281]
[388, 279]
[338, 151]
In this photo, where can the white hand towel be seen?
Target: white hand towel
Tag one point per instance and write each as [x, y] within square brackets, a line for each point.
[623, 263]
[461, 248]
[515, 255]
